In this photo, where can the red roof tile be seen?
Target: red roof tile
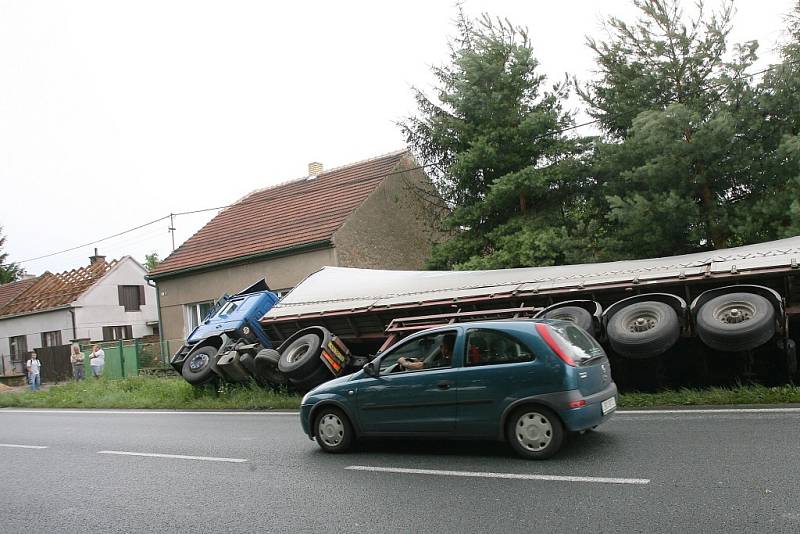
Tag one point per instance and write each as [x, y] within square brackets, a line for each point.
[9, 291]
[54, 290]
[288, 215]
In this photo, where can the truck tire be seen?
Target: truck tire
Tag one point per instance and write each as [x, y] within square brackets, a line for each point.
[736, 322]
[643, 329]
[248, 361]
[198, 368]
[301, 357]
[307, 383]
[266, 369]
[575, 314]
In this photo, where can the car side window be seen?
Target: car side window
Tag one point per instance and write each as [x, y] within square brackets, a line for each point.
[433, 350]
[490, 347]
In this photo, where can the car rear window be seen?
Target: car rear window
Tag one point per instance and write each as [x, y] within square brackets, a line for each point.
[582, 346]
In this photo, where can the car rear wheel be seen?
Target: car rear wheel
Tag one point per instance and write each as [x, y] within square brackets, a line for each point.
[534, 432]
[332, 430]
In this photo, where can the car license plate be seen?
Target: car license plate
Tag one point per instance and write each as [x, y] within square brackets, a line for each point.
[608, 405]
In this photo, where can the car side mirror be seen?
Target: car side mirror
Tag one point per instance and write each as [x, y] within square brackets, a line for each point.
[369, 369]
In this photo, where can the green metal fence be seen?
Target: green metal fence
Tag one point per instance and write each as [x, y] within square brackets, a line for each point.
[126, 358]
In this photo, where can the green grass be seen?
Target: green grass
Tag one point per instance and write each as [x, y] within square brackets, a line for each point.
[751, 394]
[176, 393]
[150, 392]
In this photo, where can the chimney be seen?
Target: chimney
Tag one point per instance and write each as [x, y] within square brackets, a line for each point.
[96, 259]
[314, 168]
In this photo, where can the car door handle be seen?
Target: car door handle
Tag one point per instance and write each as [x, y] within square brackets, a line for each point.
[444, 384]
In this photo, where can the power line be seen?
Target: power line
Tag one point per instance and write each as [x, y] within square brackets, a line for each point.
[97, 240]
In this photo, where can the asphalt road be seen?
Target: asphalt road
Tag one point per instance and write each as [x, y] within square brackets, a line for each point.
[673, 472]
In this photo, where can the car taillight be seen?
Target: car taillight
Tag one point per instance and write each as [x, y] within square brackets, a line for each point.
[577, 403]
[554, 343]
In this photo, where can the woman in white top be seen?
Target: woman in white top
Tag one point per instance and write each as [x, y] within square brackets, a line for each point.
[97, 360]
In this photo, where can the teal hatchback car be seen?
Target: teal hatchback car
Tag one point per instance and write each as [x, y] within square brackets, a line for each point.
[528, 382]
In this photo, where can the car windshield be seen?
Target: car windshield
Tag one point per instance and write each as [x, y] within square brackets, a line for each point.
[582, 346]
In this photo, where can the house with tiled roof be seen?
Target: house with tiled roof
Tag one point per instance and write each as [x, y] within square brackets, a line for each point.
[378, 213]
[103, 301]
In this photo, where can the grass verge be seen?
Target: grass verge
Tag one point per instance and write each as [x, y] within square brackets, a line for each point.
[176, 393]
[150, 392]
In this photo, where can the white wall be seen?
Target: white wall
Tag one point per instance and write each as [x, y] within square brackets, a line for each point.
[100, 306]
[32, 326]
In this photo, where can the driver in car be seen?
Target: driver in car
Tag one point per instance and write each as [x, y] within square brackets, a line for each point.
[443, 358]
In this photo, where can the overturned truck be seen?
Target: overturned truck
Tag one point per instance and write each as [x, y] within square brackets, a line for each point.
[718, 317]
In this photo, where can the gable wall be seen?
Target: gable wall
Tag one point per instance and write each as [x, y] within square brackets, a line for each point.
[394, 228]
[100, 306]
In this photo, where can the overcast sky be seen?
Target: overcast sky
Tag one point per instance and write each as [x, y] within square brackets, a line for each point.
[113, 114]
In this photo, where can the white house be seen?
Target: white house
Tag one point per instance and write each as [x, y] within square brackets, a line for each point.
[104, 301]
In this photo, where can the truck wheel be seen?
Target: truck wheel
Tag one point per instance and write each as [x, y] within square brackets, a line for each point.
[736, 322]
[534, 432]
[266, 369]
[332, 430]
[249, 363]
[199, 366]
[643, 329]
[575, 314]
[301, 357]
[313, 380]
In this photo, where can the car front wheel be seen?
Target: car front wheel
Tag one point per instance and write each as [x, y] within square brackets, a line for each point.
[534, 432]
[332, 430]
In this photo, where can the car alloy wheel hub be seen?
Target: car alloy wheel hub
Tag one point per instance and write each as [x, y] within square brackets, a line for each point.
[534, 431]
[331, 430]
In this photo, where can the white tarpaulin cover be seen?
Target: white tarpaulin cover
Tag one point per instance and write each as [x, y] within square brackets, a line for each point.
[341, 289]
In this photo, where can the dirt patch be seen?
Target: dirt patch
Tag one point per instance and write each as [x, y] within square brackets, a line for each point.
[4, 388]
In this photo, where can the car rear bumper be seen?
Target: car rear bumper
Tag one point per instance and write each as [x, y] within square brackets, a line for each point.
[591, 414]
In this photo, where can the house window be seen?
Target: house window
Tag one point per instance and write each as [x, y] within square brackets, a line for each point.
[18, 346]
[115, 333]
[195, 313]
[51, 339]
[131, 297]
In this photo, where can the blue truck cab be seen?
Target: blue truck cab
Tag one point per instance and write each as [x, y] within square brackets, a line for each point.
[229, 326]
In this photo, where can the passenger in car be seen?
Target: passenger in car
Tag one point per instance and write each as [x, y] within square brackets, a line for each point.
[443, 358]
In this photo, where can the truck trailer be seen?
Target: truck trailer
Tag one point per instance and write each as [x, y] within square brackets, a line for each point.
[707, 318]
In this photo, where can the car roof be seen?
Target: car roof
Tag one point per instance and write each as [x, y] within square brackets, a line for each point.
[492, 324]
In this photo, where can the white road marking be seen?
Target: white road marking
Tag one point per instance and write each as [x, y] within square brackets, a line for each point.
[178, 456]
[515, 476]
[22, 446]
[140, 412]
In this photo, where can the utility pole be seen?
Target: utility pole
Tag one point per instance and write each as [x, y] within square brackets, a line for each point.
[172, 229]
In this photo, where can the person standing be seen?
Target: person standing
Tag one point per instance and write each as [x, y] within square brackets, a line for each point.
[76, 358]
[34, 367]
[97, 360]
